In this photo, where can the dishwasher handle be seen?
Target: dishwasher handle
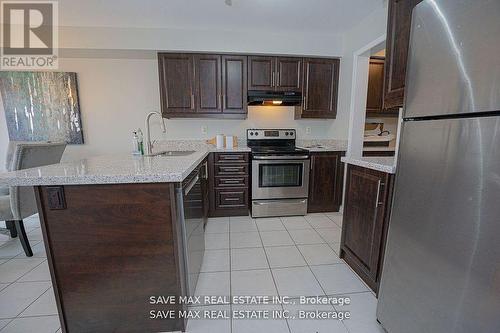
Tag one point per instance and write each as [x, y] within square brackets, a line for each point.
[191, 184]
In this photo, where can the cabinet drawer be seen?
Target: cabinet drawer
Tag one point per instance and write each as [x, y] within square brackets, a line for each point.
[237, 198]
[231, 170]
[231, 158]
[231, 181]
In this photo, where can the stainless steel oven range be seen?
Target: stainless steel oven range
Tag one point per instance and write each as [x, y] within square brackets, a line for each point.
[280, 173]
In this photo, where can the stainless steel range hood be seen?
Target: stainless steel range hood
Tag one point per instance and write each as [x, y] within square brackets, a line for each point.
[274, 98]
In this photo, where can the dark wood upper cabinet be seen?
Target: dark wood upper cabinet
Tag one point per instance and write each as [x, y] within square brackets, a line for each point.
[326, 181]
[366, 217]
[320, 88]
[288, 75]
[275, 73]
[375, 97]
[397, 44]
[261, 73]
[216, 86]
[208, 83]
[203, 85]
[176, 83]
[234, 83]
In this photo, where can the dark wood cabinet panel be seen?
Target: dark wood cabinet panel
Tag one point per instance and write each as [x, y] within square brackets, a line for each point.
[261, 73]
[107, 258]
[231, 170]
[320, 88]
[288, 74]
[398, 41]
[176, 83]
[229, 184]
[236, 198]
[216, 86]
[231, 181]
[375, 97]
[231, 157]
[366, 216]
[208, 83]
[326, 181]
[234, 82]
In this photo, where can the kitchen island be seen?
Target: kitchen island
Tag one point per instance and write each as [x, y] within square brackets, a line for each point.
[117, 238]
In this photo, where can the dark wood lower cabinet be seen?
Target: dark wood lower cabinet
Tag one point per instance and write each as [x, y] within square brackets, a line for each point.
[366, 219]
[110, 248]
[326, 181]
[229, 184]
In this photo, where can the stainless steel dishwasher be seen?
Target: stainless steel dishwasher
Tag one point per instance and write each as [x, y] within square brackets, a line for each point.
[190, 198]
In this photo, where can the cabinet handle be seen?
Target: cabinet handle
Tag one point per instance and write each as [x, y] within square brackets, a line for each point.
[272, 79]
[277, 79]
[206, 170]
[192, 101]
[232, 199]
[226, 181]
[220, 100]
[232, 169]
[379, 185]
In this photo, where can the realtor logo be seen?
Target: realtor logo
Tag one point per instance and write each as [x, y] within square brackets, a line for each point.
[29, 35]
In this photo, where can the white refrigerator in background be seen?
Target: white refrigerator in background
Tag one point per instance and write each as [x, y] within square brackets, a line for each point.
[442, 263]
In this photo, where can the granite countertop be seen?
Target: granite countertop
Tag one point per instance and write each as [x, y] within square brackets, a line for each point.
[384, 164]
[118, 169]
[322, 145]
[389, 148]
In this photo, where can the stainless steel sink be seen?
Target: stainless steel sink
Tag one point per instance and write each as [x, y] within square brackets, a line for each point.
[175, 153]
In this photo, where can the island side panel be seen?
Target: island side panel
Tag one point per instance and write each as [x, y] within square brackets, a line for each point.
[109, 249]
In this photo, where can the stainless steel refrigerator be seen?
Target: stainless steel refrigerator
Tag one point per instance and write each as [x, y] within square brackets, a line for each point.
[442, 264]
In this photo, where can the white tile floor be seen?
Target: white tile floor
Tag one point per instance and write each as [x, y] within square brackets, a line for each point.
[289, 256]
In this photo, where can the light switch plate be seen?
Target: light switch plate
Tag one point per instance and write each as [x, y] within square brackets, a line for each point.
[308, 130]
[204, 129]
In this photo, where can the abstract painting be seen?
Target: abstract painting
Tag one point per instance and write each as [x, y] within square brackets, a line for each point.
[41, 106]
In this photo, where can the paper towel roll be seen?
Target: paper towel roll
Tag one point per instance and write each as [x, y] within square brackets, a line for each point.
[229, 141]
[219, 139]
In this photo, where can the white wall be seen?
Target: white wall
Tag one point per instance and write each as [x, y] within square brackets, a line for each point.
[368, 30]
[117, 93]
[118, 88]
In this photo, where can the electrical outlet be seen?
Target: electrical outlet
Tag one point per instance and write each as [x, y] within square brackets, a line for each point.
[308, 130]
[204, 129]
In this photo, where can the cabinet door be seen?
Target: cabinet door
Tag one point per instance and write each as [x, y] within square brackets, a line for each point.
[261, 73]
[321, 77]
[234, 83]
[208, 83]
[176, 83]
[375, 96]
[363, 225]
[325, 182]
[398, 41]
[288, 74]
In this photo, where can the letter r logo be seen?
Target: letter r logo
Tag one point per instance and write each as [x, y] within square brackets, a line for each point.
[28, 27]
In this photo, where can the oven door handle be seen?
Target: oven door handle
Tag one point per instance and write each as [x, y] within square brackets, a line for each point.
[281, 157]
[270, 202]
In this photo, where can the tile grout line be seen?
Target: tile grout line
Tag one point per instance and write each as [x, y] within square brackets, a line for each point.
[272, 275]
[230, 280]
[319, 284]
[310, 269]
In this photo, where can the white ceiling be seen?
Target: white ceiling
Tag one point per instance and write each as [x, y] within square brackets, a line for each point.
[320, 16]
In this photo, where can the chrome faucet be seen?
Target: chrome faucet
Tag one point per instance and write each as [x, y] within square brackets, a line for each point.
[149, 144]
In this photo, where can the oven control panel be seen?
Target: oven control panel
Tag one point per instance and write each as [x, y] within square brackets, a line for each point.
[270, 134]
